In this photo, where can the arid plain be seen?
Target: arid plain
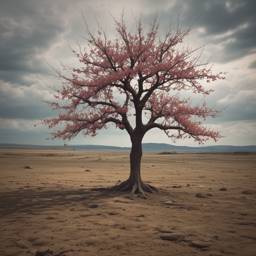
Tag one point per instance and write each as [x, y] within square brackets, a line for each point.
[206, 204]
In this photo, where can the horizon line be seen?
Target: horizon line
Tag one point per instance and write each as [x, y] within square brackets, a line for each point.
[68, 145]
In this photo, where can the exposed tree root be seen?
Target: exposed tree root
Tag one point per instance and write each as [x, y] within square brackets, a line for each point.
[136, 188]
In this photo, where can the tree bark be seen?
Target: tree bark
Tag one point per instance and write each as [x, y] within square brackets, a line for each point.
[135, 160]
[135, 184]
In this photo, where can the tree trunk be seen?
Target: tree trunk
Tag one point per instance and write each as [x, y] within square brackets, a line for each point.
[134, 183]
[135, 161]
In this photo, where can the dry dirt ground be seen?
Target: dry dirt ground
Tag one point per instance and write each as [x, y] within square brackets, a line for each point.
[47, 206]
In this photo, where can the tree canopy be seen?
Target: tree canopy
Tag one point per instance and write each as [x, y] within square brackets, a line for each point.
[138, 74]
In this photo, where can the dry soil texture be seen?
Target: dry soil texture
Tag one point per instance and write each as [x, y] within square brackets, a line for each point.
[206, 204]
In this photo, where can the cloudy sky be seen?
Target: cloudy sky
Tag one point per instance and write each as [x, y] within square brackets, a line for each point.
[37, 34]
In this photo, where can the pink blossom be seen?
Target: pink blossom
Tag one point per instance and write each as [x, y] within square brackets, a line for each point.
[148, 72]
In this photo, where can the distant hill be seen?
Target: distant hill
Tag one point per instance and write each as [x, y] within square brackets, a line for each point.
[158, 147]
[147, 147]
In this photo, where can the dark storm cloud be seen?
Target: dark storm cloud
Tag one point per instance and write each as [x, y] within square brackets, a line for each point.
[33, 33]
[28, 30]
[231, 24]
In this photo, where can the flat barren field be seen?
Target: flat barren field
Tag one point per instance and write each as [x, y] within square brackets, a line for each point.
[206, 204]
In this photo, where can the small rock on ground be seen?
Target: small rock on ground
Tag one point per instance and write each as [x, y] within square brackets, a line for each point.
[172, 237]
[168, 203]
[113, 213]
[199, 244]
[200, 195]
[248, 192]
[41, 242]
[223, 189]
[140, 216]
[192, 208]
[92, 240]
[93, 206]
[164, 230]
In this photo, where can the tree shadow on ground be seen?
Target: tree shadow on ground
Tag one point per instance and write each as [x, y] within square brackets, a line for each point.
[34, 201]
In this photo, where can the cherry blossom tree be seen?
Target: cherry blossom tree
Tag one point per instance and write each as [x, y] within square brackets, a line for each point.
[138, 75]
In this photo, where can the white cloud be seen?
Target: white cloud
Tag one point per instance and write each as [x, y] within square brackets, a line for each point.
[240, 97]
[18, 95]
[240, 130]
[19, 124]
